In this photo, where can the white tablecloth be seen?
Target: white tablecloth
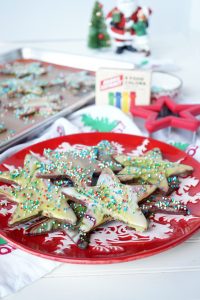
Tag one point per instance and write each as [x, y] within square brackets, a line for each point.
[173, 274]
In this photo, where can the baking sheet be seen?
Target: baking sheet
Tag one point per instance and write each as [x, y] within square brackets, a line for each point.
[62, 63]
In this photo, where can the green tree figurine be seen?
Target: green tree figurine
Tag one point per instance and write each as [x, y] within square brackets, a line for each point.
[98, 35]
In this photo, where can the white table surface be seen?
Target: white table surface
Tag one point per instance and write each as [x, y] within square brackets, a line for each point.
[173, 274]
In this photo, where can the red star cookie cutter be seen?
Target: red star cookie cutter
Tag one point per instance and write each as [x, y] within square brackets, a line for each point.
[166, 113]
[191, 112]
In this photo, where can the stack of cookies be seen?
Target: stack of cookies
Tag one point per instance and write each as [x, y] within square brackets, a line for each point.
[78, 190]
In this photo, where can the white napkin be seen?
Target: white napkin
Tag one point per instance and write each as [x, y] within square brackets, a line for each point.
[19, 268]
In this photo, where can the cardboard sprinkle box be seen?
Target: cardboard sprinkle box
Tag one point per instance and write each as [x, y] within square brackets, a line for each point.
[123, 88]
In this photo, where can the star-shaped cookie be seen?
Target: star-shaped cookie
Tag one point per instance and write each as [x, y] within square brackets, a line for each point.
[163, 204]
[38, 197]
[80, 81]
[77, 165]
[47, 225]
[109, 200]
[105, 152]
[151, 168]
[2, 128]
[15, 87]
[21, 69]
[21, 176]
[143, 191]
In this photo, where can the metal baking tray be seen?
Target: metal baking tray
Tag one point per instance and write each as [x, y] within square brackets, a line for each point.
[55, 58]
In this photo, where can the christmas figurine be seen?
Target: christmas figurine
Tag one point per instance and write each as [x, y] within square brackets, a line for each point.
[98, 35]
[127, 25]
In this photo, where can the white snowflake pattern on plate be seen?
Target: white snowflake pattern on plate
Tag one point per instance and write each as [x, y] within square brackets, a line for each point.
[140, 149]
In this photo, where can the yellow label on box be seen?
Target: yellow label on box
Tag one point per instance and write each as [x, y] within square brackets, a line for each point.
[123, 88]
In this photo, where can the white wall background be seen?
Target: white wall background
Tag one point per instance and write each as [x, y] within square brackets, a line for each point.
[29, 20]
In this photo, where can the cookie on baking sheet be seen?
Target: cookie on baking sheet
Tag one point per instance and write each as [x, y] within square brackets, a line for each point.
[2, 128]
[23, 69]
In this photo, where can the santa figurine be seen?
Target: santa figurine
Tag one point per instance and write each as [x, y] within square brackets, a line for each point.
[127, 25]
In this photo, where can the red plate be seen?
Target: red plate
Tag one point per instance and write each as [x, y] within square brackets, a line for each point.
[113, 242]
